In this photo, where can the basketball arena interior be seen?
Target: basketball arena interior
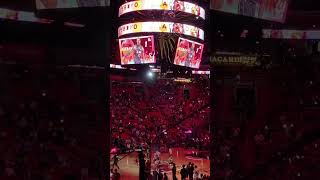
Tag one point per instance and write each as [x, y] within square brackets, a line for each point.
[159, 90]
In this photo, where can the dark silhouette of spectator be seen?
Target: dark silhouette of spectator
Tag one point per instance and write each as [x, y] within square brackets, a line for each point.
[142, 165]
[116, 175]
[174, 172]
[184, 172]
[196, 173]
[190, 171]
[165, 177]
[115, 161]
[155, 175]
[160, 176]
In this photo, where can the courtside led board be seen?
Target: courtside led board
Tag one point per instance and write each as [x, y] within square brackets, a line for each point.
[161, 27]
[165, 5]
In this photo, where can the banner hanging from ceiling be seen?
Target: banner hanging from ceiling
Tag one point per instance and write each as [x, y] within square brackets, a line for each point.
[61, 4]
[166, 5]
[22, 16]
[272, 10]
[161, 27]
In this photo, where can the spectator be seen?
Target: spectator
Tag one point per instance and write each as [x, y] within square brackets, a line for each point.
[183, 173]
[174, 172]
[116, 175]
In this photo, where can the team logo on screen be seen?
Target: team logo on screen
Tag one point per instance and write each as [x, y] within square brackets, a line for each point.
[163, 28]
[164, 5]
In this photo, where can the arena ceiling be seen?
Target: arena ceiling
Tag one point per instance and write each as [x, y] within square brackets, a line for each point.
[29, 5]
[302, 14]
[307, 10]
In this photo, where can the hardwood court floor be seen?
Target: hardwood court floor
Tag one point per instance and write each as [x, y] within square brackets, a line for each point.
[129, 169]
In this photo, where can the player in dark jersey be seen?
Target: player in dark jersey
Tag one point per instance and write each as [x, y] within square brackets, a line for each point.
[138, 52]
[190, 56]
[115, 161]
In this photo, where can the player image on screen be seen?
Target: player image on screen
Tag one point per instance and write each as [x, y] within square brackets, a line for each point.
[190, 56]
[178, 28]
[126, 51]
[178, 6]
[137, 50]
[188, 53]
[181, 53]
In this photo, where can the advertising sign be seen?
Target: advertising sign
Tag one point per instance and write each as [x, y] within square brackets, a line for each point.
[234, 60]
[166, 5]
[161, 27]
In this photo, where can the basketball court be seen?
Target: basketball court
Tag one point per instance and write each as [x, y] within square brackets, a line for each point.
[129, 168]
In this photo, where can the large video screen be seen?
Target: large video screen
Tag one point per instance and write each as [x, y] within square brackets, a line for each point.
[290, 34]
[273, 10]
[57, 4]
[161, 27]
[137, 50]
[188, 53]
[169, 5]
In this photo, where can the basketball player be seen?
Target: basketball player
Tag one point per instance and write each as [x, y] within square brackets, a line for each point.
[190, 56]
[138, 52]
[115, 161]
